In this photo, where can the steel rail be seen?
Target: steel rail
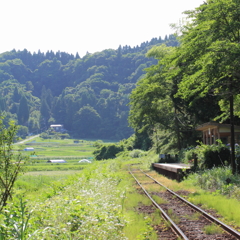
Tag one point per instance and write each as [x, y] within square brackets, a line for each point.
[176, 229]
[208, 216]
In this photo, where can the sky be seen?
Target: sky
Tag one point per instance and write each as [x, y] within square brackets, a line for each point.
[86, 25]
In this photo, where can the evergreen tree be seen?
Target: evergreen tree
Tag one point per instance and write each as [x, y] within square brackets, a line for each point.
[3, 106]
[43, 92]
[16, 95]
[49, 98]
[23, 111]
[77, 56]
[45, 113]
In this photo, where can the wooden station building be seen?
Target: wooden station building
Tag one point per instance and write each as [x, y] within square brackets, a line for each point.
[212, 131]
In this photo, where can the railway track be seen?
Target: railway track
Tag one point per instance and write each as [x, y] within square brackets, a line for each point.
[190, 222]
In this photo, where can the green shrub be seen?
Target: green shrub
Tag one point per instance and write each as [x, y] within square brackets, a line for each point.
[64, 135]
[219, 180]
[209, 156]
[107, 151]
[237, 150]
[136, 153]
[186, 154]
[45, 135]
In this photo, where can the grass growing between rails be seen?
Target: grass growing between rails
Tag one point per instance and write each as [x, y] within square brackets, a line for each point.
[210, 190]
[212, 229]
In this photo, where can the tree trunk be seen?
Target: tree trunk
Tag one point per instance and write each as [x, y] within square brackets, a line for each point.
[233, 163]
[177, 129]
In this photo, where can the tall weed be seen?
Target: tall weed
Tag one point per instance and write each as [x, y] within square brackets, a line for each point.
[15, 221]
[216, 179]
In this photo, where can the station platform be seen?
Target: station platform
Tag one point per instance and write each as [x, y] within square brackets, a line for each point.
[172, 170]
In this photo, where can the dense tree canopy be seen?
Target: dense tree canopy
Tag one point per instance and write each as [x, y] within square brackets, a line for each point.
[210, 54]
[38, 89]
[193, 82]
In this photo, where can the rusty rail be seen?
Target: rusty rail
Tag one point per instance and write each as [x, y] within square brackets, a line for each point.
[175, 228]
[208, 216]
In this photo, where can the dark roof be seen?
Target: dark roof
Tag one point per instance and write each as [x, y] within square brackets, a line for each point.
[212, 125]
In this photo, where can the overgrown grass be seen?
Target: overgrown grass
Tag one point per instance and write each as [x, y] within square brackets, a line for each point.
[214, 179]
[54, 167]
[51, 173]
[158, 199]
[212, 229]
[218, 181]
[41, 186]
[227, 207]
[138, 224]
[215, 193]
[194, 216]
[100, 202]
[173, 216]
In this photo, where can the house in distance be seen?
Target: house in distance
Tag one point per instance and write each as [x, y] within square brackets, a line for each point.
[57, 128]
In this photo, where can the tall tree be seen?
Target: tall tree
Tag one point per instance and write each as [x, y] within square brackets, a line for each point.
[23, 111]
[209, 55]
[86, 122]
[3, 105]
[16, 95]
[45, 113]
[154, 107]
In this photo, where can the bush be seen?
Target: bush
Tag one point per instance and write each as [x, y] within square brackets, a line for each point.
[64, 135]
[107, 151]
[209, 156]
[22, 131]
[219, 180]
[237, 149]
[45, 135]
[136, 153]
[215, 158]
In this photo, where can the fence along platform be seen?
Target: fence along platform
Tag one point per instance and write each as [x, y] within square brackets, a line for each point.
[172, 170]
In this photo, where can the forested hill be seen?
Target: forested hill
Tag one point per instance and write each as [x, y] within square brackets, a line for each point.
[88, 95]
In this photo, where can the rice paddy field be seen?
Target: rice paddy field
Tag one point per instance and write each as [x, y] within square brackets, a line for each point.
[70, 150]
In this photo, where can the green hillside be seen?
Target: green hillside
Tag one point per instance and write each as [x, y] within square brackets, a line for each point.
[88, 95]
